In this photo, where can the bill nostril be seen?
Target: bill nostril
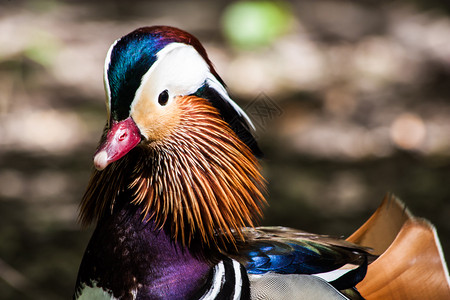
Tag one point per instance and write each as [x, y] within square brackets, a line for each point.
[122, 136]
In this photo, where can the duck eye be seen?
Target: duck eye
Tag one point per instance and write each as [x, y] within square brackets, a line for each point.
[163, 98]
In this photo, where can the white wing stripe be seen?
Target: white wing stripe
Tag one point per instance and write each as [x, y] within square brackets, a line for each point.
[217, 282]
[332, 275]
[238, 280]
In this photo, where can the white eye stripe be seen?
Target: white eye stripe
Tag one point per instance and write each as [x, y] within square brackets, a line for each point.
[214, 83]
[182, 70]
[179, 69]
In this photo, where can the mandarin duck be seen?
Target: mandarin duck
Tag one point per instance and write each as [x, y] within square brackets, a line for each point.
[176, 194]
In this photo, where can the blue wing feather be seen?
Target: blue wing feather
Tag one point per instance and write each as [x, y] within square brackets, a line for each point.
[283, 251]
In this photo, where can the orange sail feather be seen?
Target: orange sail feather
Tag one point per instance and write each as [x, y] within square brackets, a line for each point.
[410, 263]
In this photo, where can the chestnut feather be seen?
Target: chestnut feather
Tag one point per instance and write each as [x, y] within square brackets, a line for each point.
[201, 182]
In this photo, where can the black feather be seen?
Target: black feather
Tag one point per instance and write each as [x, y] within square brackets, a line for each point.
[236, 122]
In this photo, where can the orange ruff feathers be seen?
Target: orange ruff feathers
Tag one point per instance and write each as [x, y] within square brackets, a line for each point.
[201, 181]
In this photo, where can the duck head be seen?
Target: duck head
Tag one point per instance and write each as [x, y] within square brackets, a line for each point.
[146, 73]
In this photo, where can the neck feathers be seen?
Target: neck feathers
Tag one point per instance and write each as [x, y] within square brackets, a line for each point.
[201, 183]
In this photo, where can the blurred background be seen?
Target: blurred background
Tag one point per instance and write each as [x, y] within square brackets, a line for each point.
[351, 100]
